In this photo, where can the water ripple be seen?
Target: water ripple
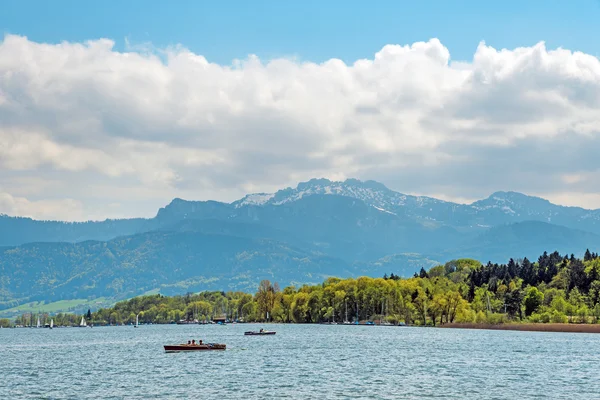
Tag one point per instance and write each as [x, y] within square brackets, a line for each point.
[300, 362]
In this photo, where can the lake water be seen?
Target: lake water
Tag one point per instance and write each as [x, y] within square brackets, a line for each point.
[299, 362]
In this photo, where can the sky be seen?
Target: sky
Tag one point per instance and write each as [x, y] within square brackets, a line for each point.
[111, 109]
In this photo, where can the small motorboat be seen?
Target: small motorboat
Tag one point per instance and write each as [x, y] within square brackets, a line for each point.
[258, 333]
[173, 348]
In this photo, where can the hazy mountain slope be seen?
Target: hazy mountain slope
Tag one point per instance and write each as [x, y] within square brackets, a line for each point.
[173, 261]
[18, 230]
[349, 228]
[206, 255]
[525, 239]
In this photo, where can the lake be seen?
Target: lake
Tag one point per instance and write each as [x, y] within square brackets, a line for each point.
[299, 362]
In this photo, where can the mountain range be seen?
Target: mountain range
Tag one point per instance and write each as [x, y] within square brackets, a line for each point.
[294, 236]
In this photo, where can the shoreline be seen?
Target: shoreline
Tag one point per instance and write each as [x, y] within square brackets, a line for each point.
[528, 327]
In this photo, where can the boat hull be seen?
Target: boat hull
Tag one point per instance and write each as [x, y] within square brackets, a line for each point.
[190, 347]
[259, 333]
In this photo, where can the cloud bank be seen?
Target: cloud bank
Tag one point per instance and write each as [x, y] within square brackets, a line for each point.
[89, 132]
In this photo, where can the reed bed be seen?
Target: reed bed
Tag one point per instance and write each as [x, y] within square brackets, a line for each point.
[574, 328]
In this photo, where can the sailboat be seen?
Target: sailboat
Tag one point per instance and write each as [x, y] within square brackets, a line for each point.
[38, 323]
[83, 324]
[51, 323]
[137, 321]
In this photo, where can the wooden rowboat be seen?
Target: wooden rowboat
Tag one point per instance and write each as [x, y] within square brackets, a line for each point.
[173, 348]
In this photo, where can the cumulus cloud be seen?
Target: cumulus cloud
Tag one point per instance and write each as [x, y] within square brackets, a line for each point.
[122, 133]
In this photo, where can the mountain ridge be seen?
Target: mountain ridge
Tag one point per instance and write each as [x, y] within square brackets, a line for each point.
[296, 235]
[499, 208]
[264, 197]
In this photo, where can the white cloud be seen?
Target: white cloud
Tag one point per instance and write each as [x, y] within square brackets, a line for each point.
[117, 130]
[63, 209]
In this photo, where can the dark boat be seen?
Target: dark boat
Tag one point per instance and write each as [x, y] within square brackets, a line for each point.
[259, 333]
[172, 348]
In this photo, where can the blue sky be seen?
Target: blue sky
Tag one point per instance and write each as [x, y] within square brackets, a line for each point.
[310, 29]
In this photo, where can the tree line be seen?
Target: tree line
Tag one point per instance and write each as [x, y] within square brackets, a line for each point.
[555, 288]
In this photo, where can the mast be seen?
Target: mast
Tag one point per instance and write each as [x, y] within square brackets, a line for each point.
[346, 301]
[386, 310]
[333, 311]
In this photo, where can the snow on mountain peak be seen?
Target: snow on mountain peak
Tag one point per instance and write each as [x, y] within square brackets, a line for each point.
[511, 204]
[515, 203]
[499, 207]
[256, 199]
[371, 192]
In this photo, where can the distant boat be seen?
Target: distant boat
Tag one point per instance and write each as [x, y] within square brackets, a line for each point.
[38, 323]
[186, 322]
[259, 333]
[137, 321]
[83, 324]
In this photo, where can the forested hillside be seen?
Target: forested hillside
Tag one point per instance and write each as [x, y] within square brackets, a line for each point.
[555, 288]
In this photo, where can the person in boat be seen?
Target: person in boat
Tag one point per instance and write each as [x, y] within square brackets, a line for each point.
[189, 342]
[261, 330]
[200, 341]
[193, 342]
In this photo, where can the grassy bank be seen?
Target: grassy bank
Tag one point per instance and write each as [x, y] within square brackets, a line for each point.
[66, 306]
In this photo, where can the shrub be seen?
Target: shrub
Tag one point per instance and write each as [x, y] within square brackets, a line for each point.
[546, 317]
[465, 316]
[534, 318]
[582, 314]
[480, 318]
[558, 318]
[497, 318]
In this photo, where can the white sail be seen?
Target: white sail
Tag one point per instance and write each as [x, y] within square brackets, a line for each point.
[137, 321]
[38, 322]
[51, 323]
[82, 323]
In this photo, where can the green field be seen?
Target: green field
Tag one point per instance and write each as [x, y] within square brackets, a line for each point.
[70, 306]
[77, 306]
